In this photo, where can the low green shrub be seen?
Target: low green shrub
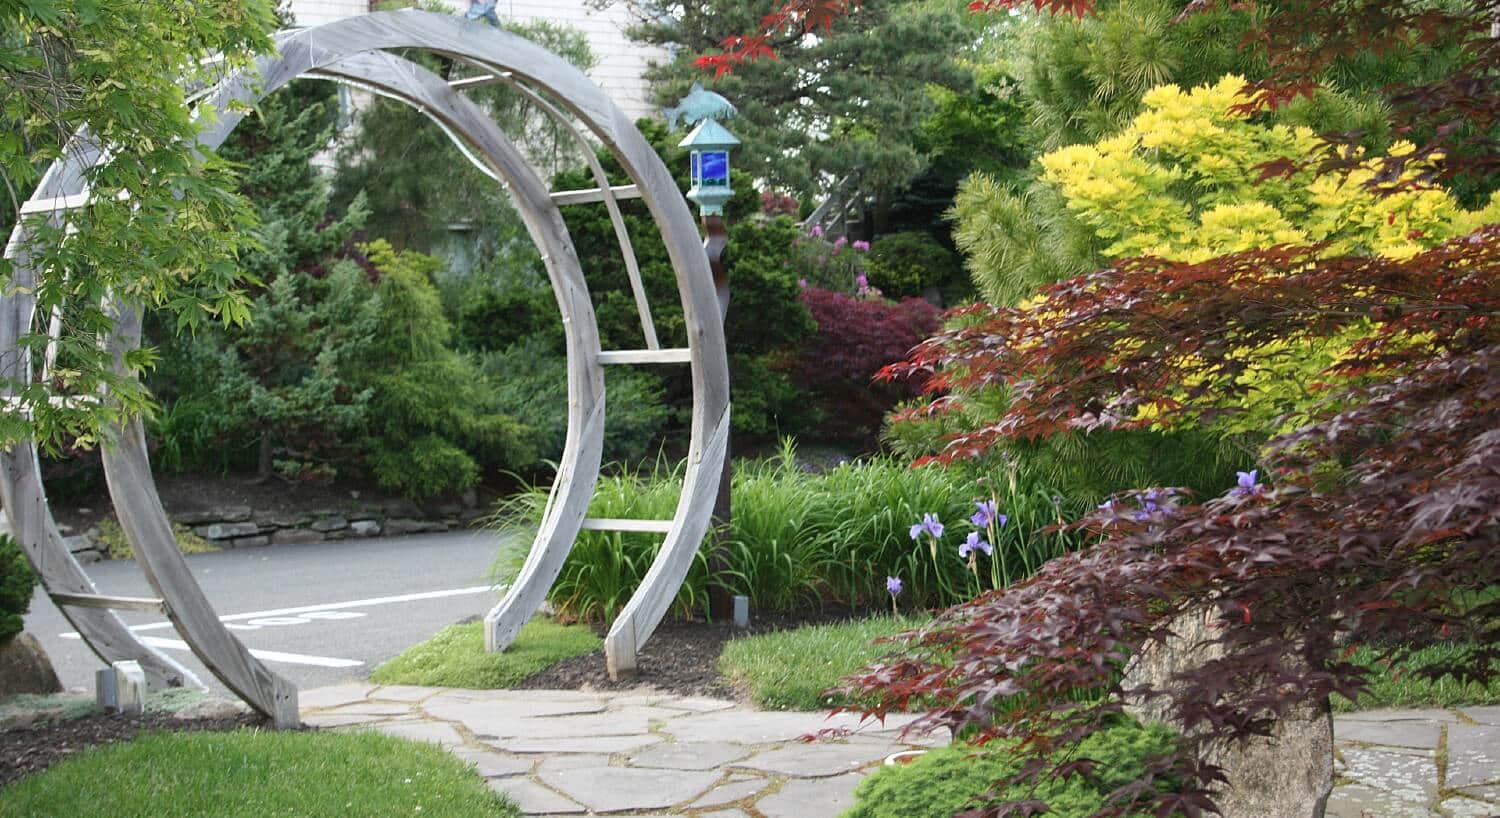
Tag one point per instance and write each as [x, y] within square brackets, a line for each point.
[798, 539]
[16, 581]
[906, 264]
[258, 773]
[793, 670]
[456, 657]
[529, 381]
[944, 782]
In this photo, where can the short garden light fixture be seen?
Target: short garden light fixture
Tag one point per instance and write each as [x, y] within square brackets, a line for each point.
[710, 143]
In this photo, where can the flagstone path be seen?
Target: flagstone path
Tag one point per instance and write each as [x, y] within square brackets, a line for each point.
[1417, 764]
[562, 753]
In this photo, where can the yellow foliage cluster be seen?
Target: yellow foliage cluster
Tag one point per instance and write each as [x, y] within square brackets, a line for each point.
[1181, 183]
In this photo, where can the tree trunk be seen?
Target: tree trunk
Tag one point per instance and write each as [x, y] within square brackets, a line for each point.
[263, 464]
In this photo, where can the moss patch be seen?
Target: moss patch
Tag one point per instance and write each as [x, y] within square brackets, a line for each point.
[112, 537]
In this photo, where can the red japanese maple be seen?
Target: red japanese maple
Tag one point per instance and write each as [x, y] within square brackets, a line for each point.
[1378, 523]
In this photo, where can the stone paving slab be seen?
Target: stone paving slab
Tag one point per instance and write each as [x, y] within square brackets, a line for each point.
[805, 798]
[535, 799]
[1461, 807]
[690, 755]
[731, 792]
[494, 765]
[1473, 755]
[816, 760]
[566, 753]
[1482, 715]
[1415, 734]
[616, 789]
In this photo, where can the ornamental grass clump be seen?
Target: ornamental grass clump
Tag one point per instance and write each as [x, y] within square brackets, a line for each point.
[799, 540]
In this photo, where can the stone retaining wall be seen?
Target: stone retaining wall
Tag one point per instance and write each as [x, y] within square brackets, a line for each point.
[243, 526]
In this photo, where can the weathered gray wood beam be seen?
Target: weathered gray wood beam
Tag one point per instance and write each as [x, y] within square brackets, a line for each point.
[117, 603]
[563, 198]
[678, 355]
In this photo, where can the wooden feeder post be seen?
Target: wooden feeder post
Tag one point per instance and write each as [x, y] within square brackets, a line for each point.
[709, 144]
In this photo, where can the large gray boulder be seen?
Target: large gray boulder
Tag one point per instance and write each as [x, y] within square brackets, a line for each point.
[25, 668]
[1288, 774]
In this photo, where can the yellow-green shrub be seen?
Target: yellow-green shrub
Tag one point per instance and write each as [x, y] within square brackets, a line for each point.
[1183, 182]
[1189, 179]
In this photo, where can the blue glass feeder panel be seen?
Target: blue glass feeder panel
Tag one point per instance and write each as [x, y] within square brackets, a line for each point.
[714, 166]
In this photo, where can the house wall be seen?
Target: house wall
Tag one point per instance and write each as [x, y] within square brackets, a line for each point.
[619, 62]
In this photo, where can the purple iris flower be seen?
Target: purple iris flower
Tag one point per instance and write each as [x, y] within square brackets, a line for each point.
[893, 585]
[985, 513]
[817, 230]
[1247, 483]
[974, 543]
[802, 282]
[861, 245]
[862, 282]
[929, 524]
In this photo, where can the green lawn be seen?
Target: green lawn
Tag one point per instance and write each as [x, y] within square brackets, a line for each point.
[789, 670]
[257, 774]
[456, 657]
[1399, 687]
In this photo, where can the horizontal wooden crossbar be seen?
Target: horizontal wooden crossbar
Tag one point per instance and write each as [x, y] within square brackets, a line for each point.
[679, 355]
[475, 82]
[563, 198]
[118, 603]
[58, 203]
[616, 524]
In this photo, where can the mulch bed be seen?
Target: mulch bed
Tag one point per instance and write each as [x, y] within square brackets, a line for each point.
[682, 657]
[26, 750]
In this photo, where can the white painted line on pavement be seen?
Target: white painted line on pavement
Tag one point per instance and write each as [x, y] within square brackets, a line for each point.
[329, 606]
[267, 655]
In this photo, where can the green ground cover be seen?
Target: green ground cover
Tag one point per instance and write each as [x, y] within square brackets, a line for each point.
[791, 670]
[255, 774]
[456, 657]
[941, 783]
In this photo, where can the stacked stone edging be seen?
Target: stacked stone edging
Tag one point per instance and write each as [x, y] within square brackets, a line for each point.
[242, 526]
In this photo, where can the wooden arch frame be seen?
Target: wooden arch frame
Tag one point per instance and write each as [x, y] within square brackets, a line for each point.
[354, 51]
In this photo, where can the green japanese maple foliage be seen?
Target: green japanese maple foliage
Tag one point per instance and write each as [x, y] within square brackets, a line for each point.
[163, 226]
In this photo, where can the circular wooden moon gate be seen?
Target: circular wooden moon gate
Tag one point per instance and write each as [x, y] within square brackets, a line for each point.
[355, 51]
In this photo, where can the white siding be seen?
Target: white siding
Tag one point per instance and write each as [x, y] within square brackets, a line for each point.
[318, 12]
[619, 63]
